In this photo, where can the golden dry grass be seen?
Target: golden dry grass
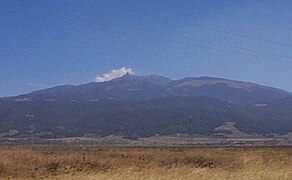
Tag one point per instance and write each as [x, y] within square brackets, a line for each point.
[146, 163]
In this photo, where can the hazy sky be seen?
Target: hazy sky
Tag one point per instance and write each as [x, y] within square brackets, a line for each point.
[49, 43]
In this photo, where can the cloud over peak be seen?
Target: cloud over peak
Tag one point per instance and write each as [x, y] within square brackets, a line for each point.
[115, 73]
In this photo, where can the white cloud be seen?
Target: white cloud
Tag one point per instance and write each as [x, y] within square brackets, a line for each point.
[115, 73]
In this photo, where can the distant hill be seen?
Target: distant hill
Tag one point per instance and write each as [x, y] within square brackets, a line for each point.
[143, 106]
[226, 90]
[132, 87]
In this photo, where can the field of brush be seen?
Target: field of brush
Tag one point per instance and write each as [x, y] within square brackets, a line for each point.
[146, 163]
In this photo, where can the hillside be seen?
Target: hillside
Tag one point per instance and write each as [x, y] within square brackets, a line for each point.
[131, 87]
[144, 106]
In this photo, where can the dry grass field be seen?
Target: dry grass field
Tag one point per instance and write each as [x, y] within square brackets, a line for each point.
[146, 163]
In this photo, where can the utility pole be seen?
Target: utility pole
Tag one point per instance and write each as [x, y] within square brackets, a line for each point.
[190, 123]
[30, 121]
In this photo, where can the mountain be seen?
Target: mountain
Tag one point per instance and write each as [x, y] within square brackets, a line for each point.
[144, 106]
[130, 87]
[226, 90]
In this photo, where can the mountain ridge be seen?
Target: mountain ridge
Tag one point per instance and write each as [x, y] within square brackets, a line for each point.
[153, 86]
[144, 106]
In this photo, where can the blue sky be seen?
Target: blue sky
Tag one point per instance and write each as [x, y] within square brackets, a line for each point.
[49, 43]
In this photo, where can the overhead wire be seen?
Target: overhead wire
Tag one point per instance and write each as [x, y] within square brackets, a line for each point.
[283, 58]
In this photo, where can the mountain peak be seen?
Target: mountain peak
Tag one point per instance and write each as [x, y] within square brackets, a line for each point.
[134, 105]
[153, 79]
[130, 86]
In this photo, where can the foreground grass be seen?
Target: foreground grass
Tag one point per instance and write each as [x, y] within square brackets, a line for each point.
[146, 163]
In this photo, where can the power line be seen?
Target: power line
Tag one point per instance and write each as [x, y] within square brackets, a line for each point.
[242, 50]
[254, 38]
[229, 33]
[284, 58]
[233, 47]
[240, 35]
[269, 41]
